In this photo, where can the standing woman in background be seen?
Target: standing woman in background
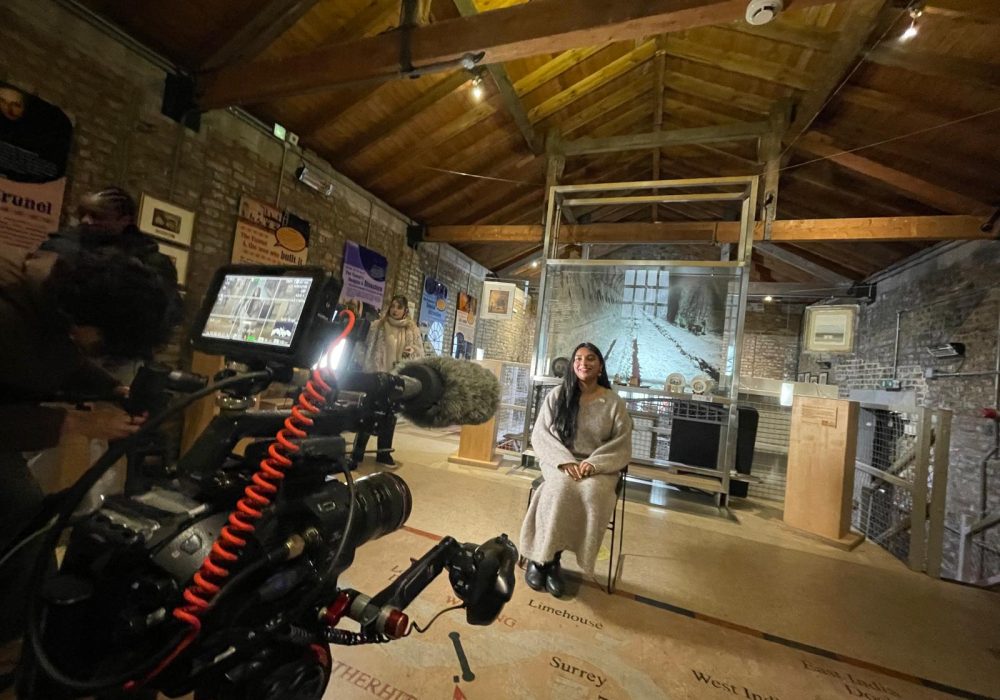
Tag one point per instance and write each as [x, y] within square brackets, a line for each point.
[582, 438]
[392, 339]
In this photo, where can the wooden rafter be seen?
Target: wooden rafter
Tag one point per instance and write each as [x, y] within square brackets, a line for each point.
[674, 137]
[380, 130]
[467, 8]
[787, 32]
[984, 75]
[612, 71]
[530, 29]
[818, 145]
[860, 230]
[789, 257]
[554, 68]
[855, 35]
[249, 39]
[752, 66]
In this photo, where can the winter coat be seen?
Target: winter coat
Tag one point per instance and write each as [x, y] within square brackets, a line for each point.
[573, 515]
[388, 340]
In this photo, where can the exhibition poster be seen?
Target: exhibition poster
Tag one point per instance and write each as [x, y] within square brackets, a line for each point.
[364, 276]
[35, 139]
[266, 235]
[433, 303]
[465, 327]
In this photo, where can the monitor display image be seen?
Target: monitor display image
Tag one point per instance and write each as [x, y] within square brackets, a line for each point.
[258, 309]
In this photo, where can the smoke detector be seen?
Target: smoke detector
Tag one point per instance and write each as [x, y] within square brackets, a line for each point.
[763, 11]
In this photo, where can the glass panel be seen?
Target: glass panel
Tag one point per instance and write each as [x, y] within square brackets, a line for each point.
[685, 323]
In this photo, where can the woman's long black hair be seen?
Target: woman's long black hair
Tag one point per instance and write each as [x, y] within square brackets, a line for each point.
[568, 406]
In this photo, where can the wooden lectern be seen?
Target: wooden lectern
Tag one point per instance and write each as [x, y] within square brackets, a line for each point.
[477, 443]
[820, 481]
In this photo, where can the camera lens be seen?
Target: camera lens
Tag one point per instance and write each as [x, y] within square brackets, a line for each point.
[383, 503]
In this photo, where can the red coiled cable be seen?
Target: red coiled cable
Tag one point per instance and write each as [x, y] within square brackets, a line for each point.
[207, 582]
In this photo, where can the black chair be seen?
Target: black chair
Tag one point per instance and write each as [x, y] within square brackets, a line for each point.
[616, 525]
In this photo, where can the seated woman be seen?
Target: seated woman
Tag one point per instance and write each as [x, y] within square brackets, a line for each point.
[582, 439]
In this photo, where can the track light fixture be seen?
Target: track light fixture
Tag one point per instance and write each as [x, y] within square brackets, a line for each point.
[915, 10]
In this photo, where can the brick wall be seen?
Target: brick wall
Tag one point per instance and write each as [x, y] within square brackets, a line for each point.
[113, 97]
[952, 296]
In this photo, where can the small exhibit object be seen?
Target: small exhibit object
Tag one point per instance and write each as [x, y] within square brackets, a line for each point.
[164, 220]
[498, 298]
[830, 328]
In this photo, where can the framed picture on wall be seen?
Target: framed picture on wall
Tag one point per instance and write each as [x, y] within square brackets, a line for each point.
[179, 257]
[165, 220]
[830, 328]
[824, 377]
[498, 300]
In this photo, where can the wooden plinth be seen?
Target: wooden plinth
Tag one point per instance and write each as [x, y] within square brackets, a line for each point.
[820, 481]
[846, 543]
[466, 461]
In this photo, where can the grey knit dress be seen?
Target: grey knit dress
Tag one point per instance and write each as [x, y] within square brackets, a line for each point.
[567, 515]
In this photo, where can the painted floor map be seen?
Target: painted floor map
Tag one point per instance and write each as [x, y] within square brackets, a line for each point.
[591, 646]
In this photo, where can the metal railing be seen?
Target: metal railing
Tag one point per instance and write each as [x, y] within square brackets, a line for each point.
[900, 482]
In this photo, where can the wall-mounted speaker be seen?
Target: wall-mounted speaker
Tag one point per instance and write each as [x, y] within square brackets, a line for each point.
[179, 101]
[415, 235]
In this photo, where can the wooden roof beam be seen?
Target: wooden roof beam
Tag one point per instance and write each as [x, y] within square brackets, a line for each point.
[801, 262]
[742, 64]
[257, 32]
[857, 32]
[860, 230]
[380, 130]
[738, 131]
[938, 65]
[467, 8]
[818, 145]
[529, 29]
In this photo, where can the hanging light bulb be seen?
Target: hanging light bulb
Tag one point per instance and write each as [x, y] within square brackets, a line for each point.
[768, 298]
[477, 88]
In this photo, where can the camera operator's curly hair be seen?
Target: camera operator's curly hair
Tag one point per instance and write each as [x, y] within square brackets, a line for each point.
[127, 300]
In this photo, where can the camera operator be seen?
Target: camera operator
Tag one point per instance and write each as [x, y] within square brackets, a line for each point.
[55, 312]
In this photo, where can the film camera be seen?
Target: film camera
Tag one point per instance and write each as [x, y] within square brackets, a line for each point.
[218, 575]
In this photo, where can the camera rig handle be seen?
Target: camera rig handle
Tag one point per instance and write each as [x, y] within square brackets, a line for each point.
[482, 576]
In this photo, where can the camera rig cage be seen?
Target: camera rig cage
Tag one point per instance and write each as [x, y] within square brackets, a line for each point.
[218, 575]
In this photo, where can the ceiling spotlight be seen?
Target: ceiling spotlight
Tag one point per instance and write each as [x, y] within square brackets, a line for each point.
[768, 298]
[534, 263]
[910, 32]
[477, 88]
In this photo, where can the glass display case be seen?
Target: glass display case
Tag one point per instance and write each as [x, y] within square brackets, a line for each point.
[670, 330]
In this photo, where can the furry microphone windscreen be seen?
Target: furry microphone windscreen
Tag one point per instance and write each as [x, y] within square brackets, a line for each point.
[469, 394]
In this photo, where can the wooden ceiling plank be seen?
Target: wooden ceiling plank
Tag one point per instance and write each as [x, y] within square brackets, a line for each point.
[400, 117]
[674, 137]
[660, 59]
[505, 87]
[801, 262]
[530, 29]
[259, 31]
[716, 92]
[554, 68]
[984, 75]
[742, 64]
[788, 33]
[630, 93]
[855, 35]
[604, 75]
[818, 145]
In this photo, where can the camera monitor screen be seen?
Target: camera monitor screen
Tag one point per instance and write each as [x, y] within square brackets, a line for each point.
[258, 309]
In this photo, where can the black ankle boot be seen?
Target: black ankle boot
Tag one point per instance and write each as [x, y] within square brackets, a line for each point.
[554, 582]
[534, 576]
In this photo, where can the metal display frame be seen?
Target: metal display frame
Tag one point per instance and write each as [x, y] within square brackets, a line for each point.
[742, 189]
